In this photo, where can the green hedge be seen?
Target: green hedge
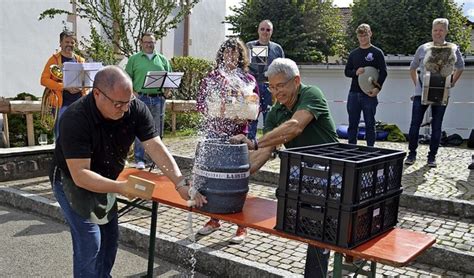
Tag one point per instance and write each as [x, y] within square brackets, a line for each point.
[195, 69]
[17, 125]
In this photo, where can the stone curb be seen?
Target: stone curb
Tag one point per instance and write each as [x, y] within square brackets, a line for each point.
[174, 250]
[449, 258]
[438, 205]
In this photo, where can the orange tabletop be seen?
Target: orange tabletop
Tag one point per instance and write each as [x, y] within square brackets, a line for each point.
[396, 247]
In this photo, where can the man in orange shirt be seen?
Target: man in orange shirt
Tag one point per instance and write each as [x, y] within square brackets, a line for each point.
[60, 97]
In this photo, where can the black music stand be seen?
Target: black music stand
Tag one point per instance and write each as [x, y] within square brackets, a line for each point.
[259, 54]
[162, 80]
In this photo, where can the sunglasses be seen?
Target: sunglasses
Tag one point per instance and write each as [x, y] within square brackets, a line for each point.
[265, 29]
[117, 103]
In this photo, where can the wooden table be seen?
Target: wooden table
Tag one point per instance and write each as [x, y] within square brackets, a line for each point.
[396, 247]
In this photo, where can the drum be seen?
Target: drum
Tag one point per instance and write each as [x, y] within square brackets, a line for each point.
[435, 89]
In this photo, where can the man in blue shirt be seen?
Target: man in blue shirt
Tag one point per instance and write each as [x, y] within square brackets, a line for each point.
[258, 69]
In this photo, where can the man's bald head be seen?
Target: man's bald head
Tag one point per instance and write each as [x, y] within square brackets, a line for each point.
[111, 76]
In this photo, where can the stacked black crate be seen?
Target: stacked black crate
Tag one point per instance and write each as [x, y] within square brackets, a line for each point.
[338, 193]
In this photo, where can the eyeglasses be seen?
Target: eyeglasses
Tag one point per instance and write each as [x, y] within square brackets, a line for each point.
[279, 86]
[117, 103]
[147, 42]
[265, 29]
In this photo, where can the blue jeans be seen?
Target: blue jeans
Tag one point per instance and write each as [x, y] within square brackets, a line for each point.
[157, 107]
[94, 246]
[417, 115]
[316, 262]
[56, 124]
[357, 102]
[265, 106]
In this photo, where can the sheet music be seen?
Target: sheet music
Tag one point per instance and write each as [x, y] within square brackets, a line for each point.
[154, 79]
[162, 79]
[80, 75]
[259, 51]
[259, 54]
[173, 79]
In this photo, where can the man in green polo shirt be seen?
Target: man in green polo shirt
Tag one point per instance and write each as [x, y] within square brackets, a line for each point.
[300, 117]
[137, 67]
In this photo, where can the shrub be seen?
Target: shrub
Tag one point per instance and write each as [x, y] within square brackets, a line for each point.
[190, 121]
[17, 125]
[195, 69]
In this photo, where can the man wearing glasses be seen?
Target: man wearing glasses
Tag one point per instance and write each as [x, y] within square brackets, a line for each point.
[137, 67]
[258, 69]
[299, 118]
[96, 134]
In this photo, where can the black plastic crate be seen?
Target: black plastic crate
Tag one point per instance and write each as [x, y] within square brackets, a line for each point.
[344, 226]
[340, 173]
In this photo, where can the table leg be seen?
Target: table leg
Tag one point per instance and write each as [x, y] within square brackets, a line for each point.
[337, 269]
[151, 247]
[373, 269]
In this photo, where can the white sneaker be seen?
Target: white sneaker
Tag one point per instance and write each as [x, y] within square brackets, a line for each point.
[209, 227]
[240, 236]
[140, 165]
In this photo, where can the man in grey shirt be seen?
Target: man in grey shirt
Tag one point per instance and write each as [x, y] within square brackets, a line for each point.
[265, 31]
[438, 33]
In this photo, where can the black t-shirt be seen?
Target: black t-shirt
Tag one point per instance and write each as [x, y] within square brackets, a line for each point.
[360, 58]
[84, 133]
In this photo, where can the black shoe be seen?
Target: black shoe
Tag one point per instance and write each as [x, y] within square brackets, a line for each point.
[431, 163]
[410, 160]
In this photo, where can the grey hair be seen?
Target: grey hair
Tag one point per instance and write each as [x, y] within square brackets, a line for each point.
[109, 76]
[441, 21]
[266, 21]
[283, 65]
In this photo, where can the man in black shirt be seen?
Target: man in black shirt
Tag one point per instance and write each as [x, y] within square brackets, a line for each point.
[366, 55]
[96, 133]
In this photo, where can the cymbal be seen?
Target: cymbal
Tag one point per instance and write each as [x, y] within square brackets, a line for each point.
[366, 79]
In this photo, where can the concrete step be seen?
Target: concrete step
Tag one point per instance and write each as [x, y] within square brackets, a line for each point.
[261, 255]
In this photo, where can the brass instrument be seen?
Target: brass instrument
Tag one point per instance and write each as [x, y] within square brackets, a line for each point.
[50, 101]
[56, 71]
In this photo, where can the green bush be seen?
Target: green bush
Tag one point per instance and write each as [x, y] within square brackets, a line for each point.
[195, 69]
[17, 125]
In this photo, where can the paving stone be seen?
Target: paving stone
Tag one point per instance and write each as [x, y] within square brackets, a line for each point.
[275, 251]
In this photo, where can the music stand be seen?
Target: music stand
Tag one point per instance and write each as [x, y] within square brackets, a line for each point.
[162, 80]
[259, 54]
[80, 75]
[435, 89]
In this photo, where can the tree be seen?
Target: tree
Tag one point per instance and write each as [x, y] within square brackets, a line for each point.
[400, 26]
[308, 30]
[123, 21]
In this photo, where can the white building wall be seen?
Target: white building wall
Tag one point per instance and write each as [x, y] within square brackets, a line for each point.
[26, 43]
[207, 31]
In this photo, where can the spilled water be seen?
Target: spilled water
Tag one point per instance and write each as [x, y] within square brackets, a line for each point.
[235, 90]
